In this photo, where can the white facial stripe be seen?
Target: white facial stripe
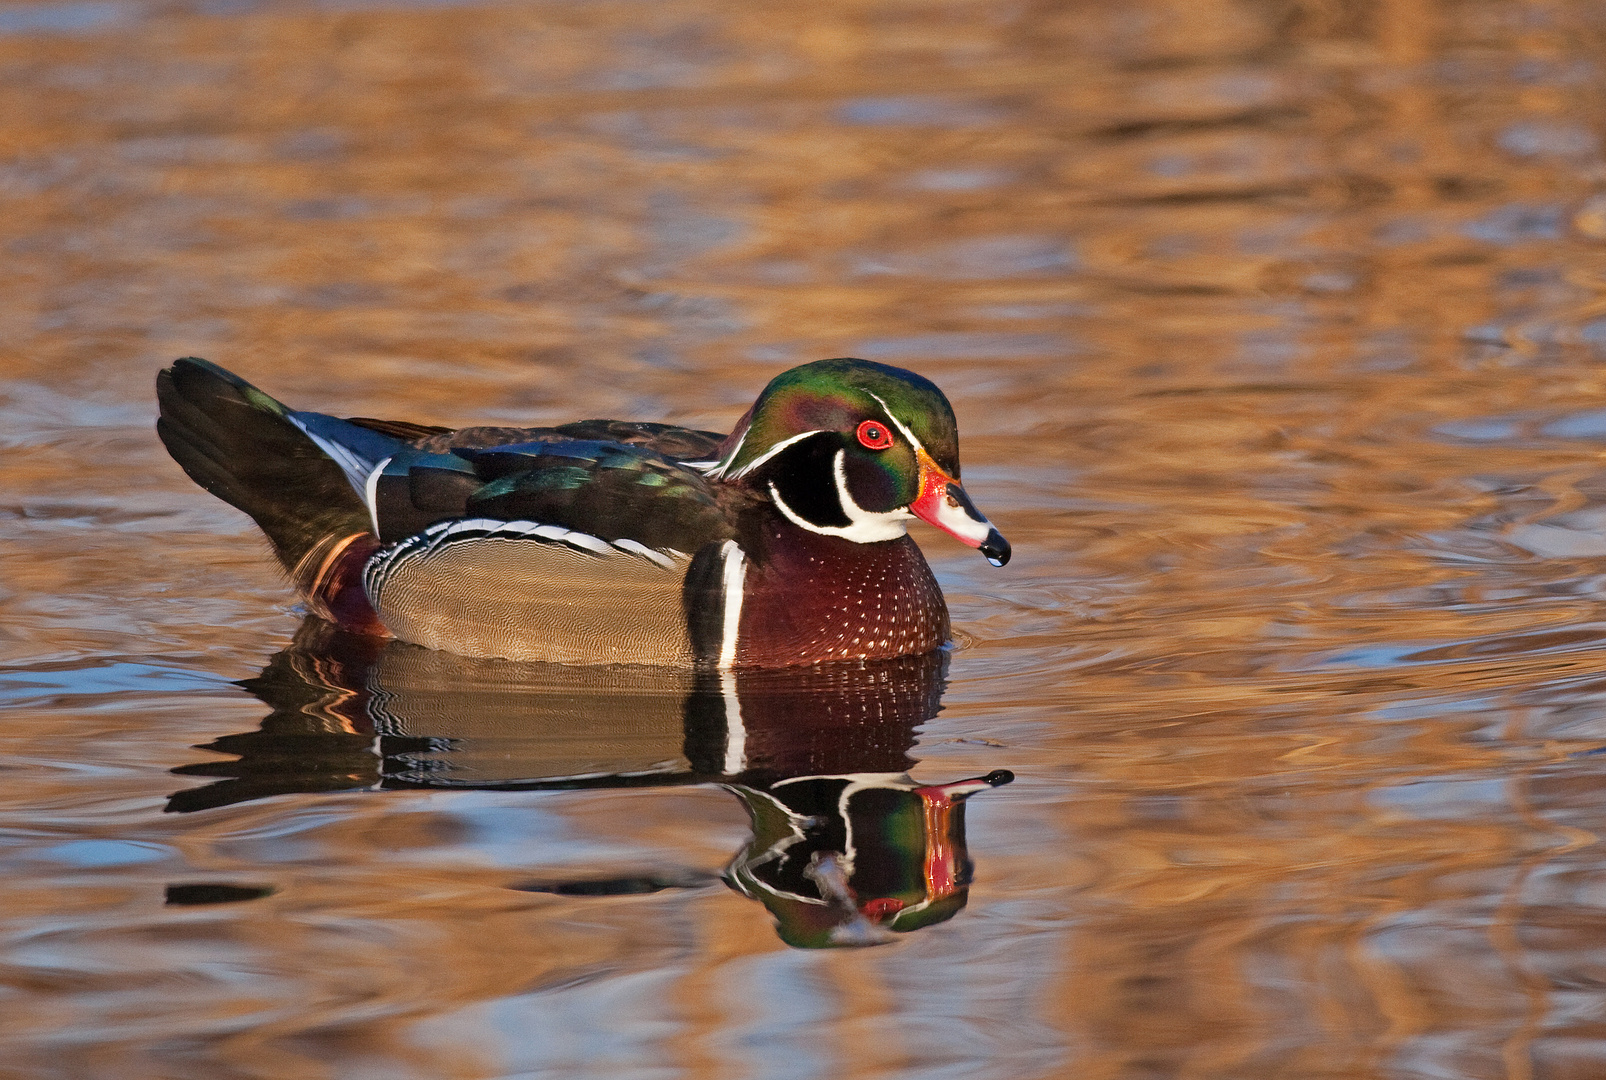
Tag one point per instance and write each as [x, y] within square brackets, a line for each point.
[955, 520]
[890, 524]
[856, 513]
[716, 469]
[791, 515]
[866, 526]
[899, 424]
[771, 452]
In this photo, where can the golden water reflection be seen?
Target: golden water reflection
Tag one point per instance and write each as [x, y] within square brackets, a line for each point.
[1274, 332]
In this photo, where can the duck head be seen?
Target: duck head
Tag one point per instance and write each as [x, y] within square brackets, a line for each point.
[856, 449]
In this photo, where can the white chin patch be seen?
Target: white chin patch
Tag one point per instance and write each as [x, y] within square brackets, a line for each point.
[867, 526]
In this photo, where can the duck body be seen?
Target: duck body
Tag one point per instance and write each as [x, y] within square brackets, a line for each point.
[605, 541]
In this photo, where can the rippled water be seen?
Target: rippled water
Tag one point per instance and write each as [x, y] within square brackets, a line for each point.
[1276, 334]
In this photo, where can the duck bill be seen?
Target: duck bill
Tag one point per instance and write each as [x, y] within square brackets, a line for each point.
[943, 503]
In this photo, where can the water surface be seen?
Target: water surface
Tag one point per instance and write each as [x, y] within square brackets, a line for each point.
[1275, 333]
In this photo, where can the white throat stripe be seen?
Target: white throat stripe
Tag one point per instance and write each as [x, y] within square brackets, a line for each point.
[865, 526]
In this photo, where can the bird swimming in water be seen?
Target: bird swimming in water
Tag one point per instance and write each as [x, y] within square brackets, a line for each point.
[606, 541]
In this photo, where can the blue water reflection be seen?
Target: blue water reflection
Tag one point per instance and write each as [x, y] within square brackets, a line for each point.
[76, 17]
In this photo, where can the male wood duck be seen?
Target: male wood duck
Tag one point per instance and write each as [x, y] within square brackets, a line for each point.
[606, 541]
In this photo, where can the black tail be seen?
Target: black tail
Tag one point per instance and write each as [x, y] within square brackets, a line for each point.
[239, 444]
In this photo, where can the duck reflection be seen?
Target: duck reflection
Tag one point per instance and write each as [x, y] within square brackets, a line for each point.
[846, 848]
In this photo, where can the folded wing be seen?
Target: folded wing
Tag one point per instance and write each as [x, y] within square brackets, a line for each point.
[567, 550]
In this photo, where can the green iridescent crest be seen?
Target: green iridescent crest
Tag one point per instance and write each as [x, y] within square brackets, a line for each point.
[838, 395]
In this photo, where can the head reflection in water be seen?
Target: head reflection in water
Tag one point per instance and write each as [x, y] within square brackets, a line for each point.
[848, 860]
[847, 850]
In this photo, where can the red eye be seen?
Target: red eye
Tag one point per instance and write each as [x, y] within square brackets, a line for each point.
[874, 435]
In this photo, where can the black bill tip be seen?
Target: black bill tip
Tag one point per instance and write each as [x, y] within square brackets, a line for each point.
[996, 548]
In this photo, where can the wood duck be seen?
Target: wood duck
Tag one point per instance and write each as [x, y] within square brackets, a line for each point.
[606, 541]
